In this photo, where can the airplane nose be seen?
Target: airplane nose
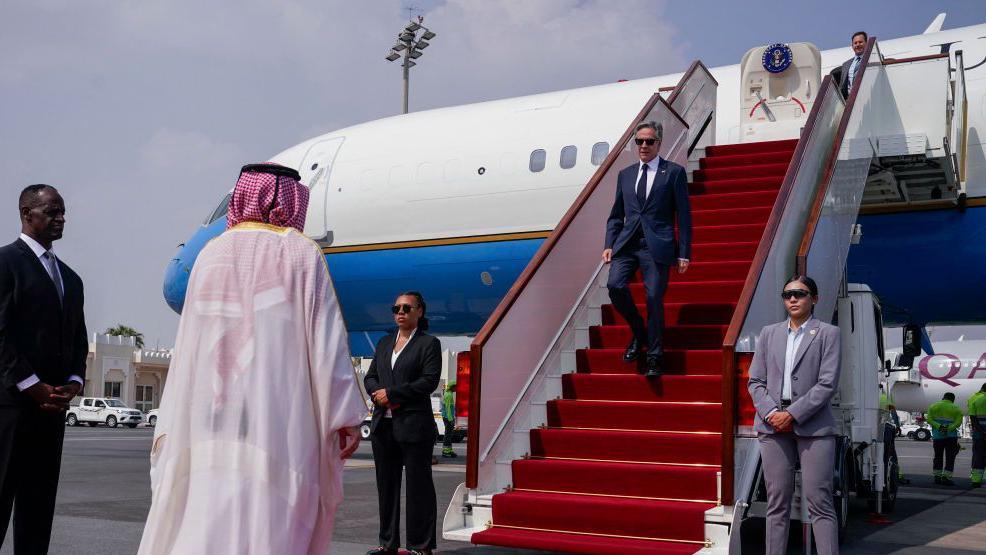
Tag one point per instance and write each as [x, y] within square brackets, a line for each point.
[175, 284]
[180, 268]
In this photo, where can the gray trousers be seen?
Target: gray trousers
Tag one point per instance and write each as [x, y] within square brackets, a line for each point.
[780, 454]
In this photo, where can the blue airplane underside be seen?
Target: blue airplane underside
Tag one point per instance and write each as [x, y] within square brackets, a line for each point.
[927, 267]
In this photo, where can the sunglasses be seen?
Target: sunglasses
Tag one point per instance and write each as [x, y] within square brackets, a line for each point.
[648, 142]
[794, 294]
[403, 308]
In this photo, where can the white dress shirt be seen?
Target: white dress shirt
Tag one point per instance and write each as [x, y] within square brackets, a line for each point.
[794, 338]
[652, 169]
[395, 355]
[39, 251]
[853, 68]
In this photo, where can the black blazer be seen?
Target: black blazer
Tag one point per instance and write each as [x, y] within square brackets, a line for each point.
[409, 385]
[668, 197]
[38, 335]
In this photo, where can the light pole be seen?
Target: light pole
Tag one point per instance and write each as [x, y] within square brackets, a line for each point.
[411, 44]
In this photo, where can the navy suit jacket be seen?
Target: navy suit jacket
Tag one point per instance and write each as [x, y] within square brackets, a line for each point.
[668, 198]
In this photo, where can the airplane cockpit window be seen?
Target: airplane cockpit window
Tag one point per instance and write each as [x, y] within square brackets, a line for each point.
[599, 152]
[220, 210]
[538, 158]
[568, 157]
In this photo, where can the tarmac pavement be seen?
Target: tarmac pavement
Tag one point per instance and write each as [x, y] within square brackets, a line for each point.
[104, 496]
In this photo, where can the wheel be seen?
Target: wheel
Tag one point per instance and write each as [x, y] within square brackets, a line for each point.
[364, 431]
[840, 501]
[922, 434]
[93, 424]
[152, 421]
[72, 420]
[131, 425]
[111, 421]
[889, 492]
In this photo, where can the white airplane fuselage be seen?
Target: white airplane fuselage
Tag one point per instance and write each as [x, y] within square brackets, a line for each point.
[457, 212]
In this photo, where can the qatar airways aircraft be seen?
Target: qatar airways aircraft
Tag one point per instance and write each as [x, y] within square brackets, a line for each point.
[459, 211]
[958, 367]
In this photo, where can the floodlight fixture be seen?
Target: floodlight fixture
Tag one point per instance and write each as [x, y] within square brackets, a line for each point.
[409, 46]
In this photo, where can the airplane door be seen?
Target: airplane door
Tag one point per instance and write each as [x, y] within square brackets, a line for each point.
[315, 170]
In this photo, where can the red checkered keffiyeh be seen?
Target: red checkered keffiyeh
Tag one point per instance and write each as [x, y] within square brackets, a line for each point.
[253, 201]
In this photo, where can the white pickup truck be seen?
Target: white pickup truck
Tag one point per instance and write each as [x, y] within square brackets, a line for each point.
[101, 410]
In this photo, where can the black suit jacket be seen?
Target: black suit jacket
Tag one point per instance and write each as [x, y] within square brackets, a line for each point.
[668, 198]
[409, 385]
[38, 334]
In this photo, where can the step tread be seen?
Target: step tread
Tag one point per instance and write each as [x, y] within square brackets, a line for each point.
[578, 543]
[654, 481]
[627, 445]
[643, 518]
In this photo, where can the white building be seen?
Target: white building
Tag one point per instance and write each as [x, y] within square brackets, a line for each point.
[115, 367]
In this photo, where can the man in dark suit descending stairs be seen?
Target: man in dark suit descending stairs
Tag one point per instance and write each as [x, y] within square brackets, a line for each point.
[640, 234]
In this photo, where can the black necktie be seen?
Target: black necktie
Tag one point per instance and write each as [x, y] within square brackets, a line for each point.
[642, 186]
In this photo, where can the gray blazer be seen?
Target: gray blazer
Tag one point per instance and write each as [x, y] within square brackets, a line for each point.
[814, 379]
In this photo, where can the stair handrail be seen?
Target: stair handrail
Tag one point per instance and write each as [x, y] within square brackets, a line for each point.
[670, 143]
[960, 125]
[828, 94]
[801, 263]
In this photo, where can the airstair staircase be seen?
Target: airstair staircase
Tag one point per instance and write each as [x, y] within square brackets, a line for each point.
[573, 450]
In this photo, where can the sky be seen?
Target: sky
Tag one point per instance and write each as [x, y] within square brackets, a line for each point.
[141, 113]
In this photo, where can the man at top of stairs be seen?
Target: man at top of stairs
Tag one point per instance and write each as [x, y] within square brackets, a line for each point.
[640, 234]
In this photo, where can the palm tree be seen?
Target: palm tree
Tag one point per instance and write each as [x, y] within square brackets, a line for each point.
[127, 331]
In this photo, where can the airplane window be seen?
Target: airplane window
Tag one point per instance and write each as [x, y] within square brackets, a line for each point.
[220, 210]
[568, 156]
[538, 158]
[599, 152]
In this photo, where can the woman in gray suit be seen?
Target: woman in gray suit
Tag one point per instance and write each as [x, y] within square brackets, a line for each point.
[795, 373]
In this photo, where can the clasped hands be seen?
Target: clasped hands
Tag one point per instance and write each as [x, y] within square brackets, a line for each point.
[53, 398]
[380, 397]
[781, 421]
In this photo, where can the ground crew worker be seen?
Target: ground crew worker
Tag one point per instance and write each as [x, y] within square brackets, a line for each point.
[945, 419]
[976, 395]
[891, 427]
[977, 417]
[448, 416]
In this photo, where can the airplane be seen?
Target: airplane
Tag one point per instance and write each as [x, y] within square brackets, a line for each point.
[459, 210]
[958, 367]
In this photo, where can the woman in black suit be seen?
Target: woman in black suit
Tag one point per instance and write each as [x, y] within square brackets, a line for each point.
[406, 368]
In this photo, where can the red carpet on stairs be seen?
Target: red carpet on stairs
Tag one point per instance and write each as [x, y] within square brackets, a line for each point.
[626, 464]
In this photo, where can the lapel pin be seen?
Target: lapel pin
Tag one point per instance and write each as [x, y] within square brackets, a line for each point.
[812, 332]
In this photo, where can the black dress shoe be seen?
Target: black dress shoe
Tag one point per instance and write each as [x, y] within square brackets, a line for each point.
[654, 369]
[633, 349]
